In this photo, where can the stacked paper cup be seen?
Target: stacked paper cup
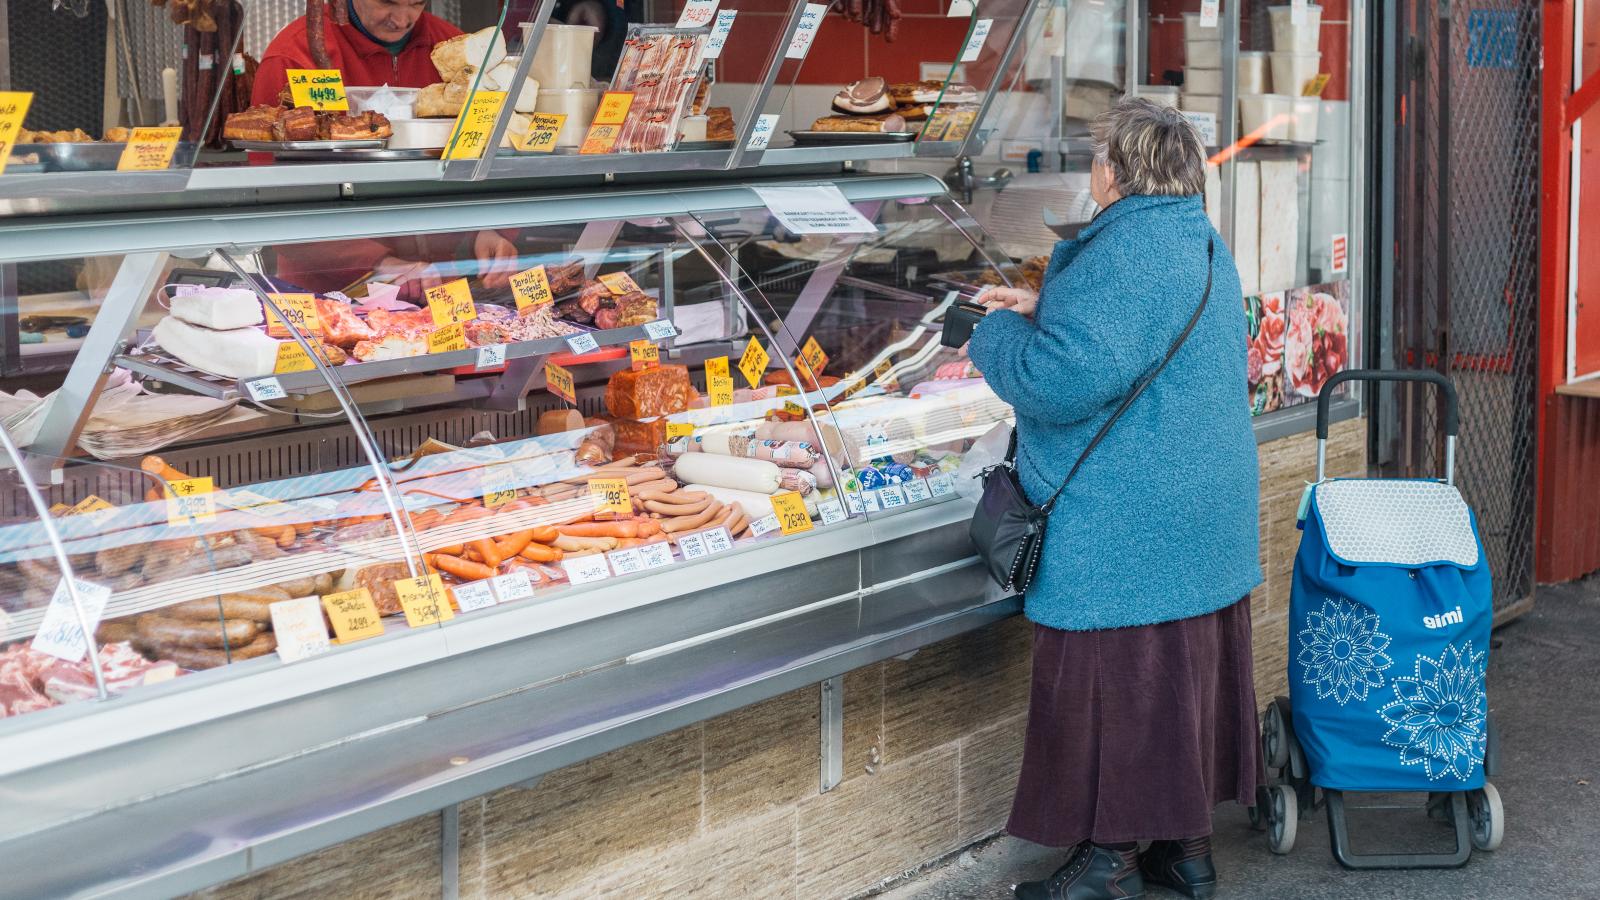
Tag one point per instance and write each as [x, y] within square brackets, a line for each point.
[1202, 75]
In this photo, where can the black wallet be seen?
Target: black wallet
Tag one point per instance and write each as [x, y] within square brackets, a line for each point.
[959, 320]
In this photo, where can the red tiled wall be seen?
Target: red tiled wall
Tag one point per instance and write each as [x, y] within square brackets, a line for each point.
[1165, 28]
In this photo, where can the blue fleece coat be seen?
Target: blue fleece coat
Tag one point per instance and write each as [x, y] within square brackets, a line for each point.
[1161, 523]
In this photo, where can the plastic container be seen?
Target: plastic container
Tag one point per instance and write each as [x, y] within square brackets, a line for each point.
[1252, 71]
[562, 60]
[1307, 110]
[1288, 37]
[1194, 31]
[394, 102]
[1202, 81]
[1291, 71]
[1162, 94]
[413, 134]
[1274, 112]
[1203, 54]
[692, 129]
[578, 105]
[1202, 103]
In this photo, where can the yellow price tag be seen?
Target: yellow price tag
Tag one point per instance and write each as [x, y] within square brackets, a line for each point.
[619, 283]
[716, 367]
[754, 362]
[720, 388]
[13, 109]
[613, 108]
[884, 371]
[611, 496]
[291, 358]
[643, 354]
[677, 430]
[318, 88]
[190, 499]
[960, 124]
[448, 338]
[811, 354]
[60, 509]
[89, 504]
[424, 600]
[560, 383]
[299, 310]
[791, 510]
[474, 125]
[600, 139]
[1315, 85]
[531, 288]
[541, 134]
[794, 409]
[354, 615]
[500, 485]
[149, 149]
[451, 303]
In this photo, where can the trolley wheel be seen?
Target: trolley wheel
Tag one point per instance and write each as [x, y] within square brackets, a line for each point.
[1274, 738]
[1488, 816]
[1284, 818]
[1259, 812]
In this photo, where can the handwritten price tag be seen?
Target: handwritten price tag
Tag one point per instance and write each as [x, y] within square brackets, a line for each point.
[761, 134]
[891, 497]
[89, 504]
[626, 562]
[659, 330]
[531, 288]
[499, 485]
[613, 108]
[831, 511]
[719, 34]
[59, 633]
[611, 496]
[559, 381]
[643, 354]
[299, 310]
[149, 150]
[424, 600]
[263, 389]
[541, 134]
[811, 354]
[583, 343]
[513, 586]
[654, 556]
[191, 499]
[717, 367]
[600, 139]
[886, 378]
[980, 34]
[718, 540]
[692, 546]
[13, 109]
[790, 508]
[585, 569]
[806, 31]
[475, 124]
[941, 485]
[451, 303]
[754, 362]
[492, 356]
[299, 628]
[917, 490]
[676, 430]
[764, 525]
[473, 596]
[619, 283]
[318, 88]
[354, 615]
[697, 14]
[448, 338]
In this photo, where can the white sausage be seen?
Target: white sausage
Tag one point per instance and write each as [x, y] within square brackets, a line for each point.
[756, 475]
[755, 504]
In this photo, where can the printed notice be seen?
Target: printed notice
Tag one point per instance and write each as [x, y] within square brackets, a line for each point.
[814, 209]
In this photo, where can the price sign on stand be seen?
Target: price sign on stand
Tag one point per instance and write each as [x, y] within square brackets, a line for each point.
[424, 600]
[607, 124]
[719, 34]
[473, 596]
[513, 586]
[754, 362]
[585, 569]
[149, 149]
[13, 109]
[718, 540]
[559, 381]
[541, 134]
[299, 628]
[531, 288]
[448, 338]
[619, 283]
[190, 499]
[299, 310]
[790, 508]
[354, 615]
[806, 31]
[59, 633]
[451, 303]
[318, 88]
[811, 354]
[696, 14]
[719, 384]
[980, 34]
[611, 496]
[474, 125]
[643, 355]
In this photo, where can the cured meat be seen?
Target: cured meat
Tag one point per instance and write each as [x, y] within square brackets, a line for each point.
[30, 680]
[340, 324]
[409, 323]
[634, 438]
[482, 333]
[363, 126]
[647, 393]
[298, 124]
[890, 122]
[564, 279]
[379, 581]
[390, 346]
[869, 95]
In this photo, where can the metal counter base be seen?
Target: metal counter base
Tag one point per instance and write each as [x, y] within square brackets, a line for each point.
[375, 751]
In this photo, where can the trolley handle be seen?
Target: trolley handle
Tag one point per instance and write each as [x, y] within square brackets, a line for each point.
[1452, 419]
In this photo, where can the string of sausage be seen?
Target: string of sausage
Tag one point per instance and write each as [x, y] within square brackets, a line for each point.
[878, 16]
[316, 37]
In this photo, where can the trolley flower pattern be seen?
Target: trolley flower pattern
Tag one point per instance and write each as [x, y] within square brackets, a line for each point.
[1342, 650]
[1439, 715]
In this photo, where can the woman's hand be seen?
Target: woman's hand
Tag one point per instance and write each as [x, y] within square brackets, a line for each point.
[411, 277]
[1018, 300]
[497, 259]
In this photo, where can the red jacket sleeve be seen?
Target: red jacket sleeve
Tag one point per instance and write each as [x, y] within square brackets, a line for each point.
[271, 76]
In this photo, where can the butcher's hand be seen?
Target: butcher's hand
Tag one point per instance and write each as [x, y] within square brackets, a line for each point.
[1018, 300]
[412, 277]
[497, 259]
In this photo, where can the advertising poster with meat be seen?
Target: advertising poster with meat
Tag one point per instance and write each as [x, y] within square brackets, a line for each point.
[1298, 340]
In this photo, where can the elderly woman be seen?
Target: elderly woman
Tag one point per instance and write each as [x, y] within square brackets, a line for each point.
[1142, 714]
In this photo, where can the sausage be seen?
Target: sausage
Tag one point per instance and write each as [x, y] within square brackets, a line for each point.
[113, 561]
[201, 658]
[692, 522]
[254, 605]
[159, 629]
[316, 37]
[114, 631]
[598, 445]
[744, 474]
[690, 508]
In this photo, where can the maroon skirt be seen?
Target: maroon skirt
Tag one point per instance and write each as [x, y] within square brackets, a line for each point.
[1136, 734]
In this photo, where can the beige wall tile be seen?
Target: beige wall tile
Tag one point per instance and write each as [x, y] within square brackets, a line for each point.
[955, 687]
[863, 721]
[991, 761]
[869, 829]
[559, 835]
[397, 863]
[753, 857]
[761, 757]
[1271, 658]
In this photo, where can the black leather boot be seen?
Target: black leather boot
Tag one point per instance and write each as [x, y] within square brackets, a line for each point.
[1185, 866]
[1092, 872]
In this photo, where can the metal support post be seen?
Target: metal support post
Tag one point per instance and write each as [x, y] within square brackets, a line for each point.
[831, 751]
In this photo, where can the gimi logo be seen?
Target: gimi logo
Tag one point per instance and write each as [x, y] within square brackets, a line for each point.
[1444, 621]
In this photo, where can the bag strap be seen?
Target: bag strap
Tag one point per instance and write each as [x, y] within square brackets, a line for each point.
[1139, 386]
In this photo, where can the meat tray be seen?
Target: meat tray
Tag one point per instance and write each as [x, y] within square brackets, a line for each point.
[852, 137]
[351, 149]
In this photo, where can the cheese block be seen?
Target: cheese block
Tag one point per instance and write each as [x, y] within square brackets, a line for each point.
[486, 47]
[218, 308]
[231, 353]
[440, 101]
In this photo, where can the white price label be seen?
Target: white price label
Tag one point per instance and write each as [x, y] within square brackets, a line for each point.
[626, 562]
[764, 525]
[961, 9]
[980, 34]
[656, 555]
[264, 389]
[917, 490]
[692, 546]
[659, 330]
[718, 540]
[512, 587]
[1297, 12]
[719, 34]
[806, 31]
[587, 568]
[814, 209]
[761, 135]
[869, 501]
[1209, 10]
[853, 503]
[299, 627]
[1206, 124]
[831, 511]
[697, 14]
[491, 357]
[583, 343]
[942, 485]
[474, 595]
[891, 496]
[59, 634]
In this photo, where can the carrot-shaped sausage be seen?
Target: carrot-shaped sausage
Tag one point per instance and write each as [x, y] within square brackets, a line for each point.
[158, 467]
[512, 544]
[537, 552]
[452, 550]
[648, 527]
[573, 544]
[282, 535]
[465, 514]
[487, 549]
[460, 568]
[545, 534]
[621, 528]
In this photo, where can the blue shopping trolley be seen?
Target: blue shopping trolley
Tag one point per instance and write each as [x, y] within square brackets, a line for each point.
[1389, 621]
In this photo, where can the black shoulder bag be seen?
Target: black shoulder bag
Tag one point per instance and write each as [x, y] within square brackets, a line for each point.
[1008, 530]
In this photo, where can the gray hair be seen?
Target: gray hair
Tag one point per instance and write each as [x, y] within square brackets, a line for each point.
[1151, 149]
